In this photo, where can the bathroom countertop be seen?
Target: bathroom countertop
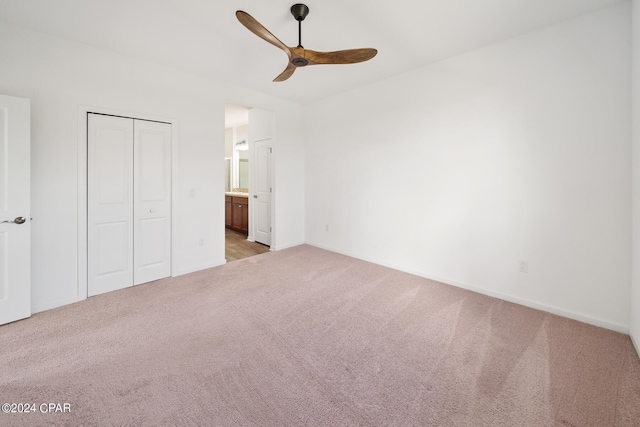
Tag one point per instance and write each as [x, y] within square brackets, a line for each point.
[236, 194]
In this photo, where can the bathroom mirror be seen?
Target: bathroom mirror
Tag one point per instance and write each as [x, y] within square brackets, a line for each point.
[236, 153]
[236, 159]
[243, 169]
[227, 174]
[237, 178]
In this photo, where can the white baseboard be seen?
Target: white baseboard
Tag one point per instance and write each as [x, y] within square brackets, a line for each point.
[59, 303]
[506, 297]
[198, 268]
[634, 341]
[54, 304]
[287, 246]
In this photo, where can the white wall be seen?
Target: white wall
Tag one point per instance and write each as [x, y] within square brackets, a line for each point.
[59, 75]
[516, 151]
[635, 291]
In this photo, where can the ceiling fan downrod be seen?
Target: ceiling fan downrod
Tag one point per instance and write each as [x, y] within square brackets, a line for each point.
[299, 12]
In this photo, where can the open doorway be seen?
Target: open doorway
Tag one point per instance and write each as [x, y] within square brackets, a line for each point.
[242, 185]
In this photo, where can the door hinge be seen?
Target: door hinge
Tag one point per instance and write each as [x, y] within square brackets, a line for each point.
[270, 150]
[269, 229]
[270, 190]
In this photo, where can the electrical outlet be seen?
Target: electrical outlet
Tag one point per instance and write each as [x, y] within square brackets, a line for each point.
[201, 242]
[524, 267]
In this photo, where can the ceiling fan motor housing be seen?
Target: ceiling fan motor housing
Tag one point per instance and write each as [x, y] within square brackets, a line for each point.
[299, 62]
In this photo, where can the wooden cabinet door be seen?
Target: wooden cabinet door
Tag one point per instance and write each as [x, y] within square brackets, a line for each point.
[240, 214]
[227, 211]
[245, 219]
[236, 216]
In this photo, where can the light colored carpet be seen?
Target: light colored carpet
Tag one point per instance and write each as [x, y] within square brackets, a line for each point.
[304, 336]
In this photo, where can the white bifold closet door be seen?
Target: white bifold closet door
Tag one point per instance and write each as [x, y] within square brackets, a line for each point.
[129, 202]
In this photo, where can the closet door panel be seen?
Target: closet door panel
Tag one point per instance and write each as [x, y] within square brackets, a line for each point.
[110, 203]
[152, 180]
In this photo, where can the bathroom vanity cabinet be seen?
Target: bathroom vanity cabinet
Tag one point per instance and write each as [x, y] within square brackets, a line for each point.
[236, 209]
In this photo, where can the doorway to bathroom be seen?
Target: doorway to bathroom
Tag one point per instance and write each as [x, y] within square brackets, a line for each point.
[248, 181]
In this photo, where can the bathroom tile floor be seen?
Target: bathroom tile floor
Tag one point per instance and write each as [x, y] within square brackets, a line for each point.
[238, 247]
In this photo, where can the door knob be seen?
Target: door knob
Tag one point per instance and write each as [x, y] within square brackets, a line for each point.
[255, 196]
[19, 220]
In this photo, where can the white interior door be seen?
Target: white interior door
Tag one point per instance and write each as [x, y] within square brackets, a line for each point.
[152, 190]
[262, 193]
[110, 203]
[129, 202]
[260, 205]
[15, 227]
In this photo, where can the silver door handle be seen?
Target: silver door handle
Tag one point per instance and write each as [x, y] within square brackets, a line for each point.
[19, 220]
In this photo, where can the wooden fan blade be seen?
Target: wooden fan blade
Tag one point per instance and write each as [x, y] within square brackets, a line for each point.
[351, 56]
[288, 72]
[259, 30]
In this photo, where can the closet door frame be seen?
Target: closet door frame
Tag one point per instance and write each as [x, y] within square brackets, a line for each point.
[83, 111]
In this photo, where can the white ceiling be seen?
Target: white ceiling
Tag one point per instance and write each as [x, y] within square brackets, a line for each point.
[205, 38]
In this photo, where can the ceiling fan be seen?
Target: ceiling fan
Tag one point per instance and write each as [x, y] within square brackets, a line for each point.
[299, 56]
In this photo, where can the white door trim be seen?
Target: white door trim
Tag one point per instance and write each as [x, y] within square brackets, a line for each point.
[83, 110]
